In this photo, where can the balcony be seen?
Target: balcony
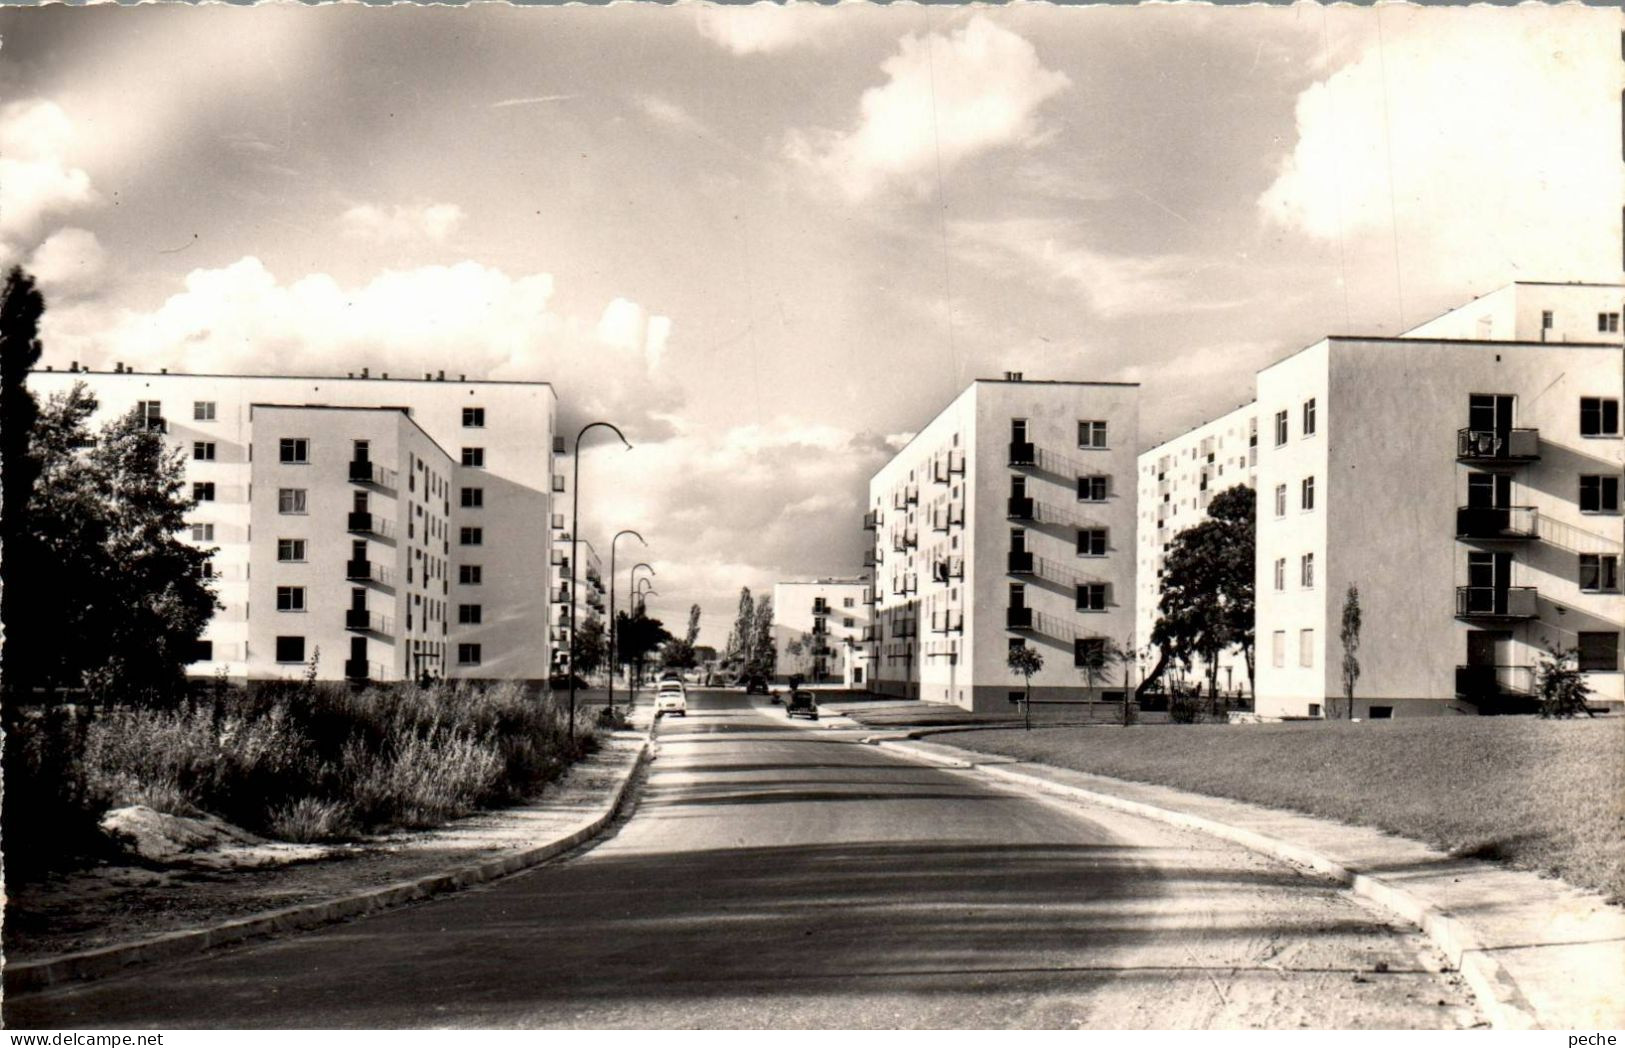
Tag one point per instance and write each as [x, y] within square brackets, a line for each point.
[1489, 446]
[911, 537]
[939, 520]
[362, 621]
[1492, 681]
[956, 461]
[364, 472]
[939, 471]
[367, 571]
[1019, 562]
[912, 494]
[1517, 523]
[1022, 453]
[1018, 618]
[1019, 508]
[956, 567]
[871, 559]
[871, 520]
[870, 634]
[361, 522]
[1496, 602]
[869, 597]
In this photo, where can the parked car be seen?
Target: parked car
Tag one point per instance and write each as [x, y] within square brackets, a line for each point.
[671, 675]
[801, 704]
[670, 698]
[755, 685]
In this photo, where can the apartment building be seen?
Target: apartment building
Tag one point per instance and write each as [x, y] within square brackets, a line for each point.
[1007, 520]
[1177, 479]
[568, 607]
[382, 528]
[822, 630]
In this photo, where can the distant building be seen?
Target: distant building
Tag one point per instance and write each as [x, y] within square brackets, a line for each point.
[393, 526]
[821, 630]
[1008, 520]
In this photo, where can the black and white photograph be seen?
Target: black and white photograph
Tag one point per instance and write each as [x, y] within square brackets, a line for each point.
[795, 516]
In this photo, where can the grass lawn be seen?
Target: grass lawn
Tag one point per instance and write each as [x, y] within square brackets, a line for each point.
[1541, 795]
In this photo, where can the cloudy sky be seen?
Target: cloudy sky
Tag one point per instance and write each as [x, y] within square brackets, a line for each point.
[770, 243]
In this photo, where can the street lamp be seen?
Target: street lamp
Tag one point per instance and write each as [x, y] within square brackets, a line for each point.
[575, 529]
[631, 591]
[641, 594]
[617, 538]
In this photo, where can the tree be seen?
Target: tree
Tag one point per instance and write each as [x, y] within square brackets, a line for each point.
[21, 306]
[1236, 509]
[637, 635]
[1349, 634]
[1026, 661]
[764, 657]
[1560, 687]
[744, 632]
[679, 653]
[589, 646]
[1207, 590]
[693, 634]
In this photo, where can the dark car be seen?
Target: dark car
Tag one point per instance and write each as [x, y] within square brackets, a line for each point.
[755, 685]
[801, 704]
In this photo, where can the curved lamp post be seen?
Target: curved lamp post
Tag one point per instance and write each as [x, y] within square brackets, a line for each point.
[575, 529]
[610, 704]
[641, 594]
[631, 590]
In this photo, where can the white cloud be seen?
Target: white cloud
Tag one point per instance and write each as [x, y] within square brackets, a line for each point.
[947, 98]
[898, 441]
[1476, 138]
[37, 180]
[433, 222]
[627, 325]
[761, 28]
[70, 261]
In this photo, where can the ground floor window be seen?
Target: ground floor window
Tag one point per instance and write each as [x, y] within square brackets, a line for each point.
[468, 654]
[1599, 652]
[290, 649]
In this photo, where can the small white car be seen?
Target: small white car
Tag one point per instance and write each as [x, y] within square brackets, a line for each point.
[670, 698]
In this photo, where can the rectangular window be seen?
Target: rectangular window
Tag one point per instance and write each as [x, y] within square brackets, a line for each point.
[468, 654]
[290, 598]
[1280, 428]
[1091, 434]
[202, 651]
[469, 574]
[290, 550]
[294, 450]
[290, 649]
[1306, 494]
[1306, 571]
[1599, 417]
[151, 413]
[1599, 494]
[1309, 417]
[1092, 596]
[1608, 322]
[1092, 489]
[1599, 652]
[473, 418]
[468, 614]
[205, 569]
[202, 532]
[473, 498]
[1091, 542]
[1306, 647]
[1545, 320]
[1278, 649]
[471, 537]
[849, 602]
[474, 456]
[1089, 651]
[1599, 572]
[290, 500]
[203, 410]
[202, 451]
[1314, 709]
[1280, 573]
[1280, 500]
[203, 491]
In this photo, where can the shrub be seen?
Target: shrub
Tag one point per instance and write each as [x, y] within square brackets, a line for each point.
[312, 819]
[1559, 686]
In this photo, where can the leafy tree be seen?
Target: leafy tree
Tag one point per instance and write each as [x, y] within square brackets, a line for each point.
[1350, 636]
[1025, 662]
[1560, 687]
[744, 632]
[764, 657]
[589, 646]
[637, 635]
[693, 634]
[679, 653]
[21, 306]
[1236, 509]
[1207, 590]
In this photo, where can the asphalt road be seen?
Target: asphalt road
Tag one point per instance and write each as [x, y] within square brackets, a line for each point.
[777, 875]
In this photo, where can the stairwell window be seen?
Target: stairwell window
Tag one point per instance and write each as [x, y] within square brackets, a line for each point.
[1599, 417]
[1092, 489]
[1599, 494]
[474, 457]
[1092, 596]
[1091, 434]
[1599, 572]
[1091, 542]
[473, 498]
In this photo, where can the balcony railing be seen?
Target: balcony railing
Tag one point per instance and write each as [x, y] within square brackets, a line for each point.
[939, 471]
[1022, 453]
[1018, 618]
[363, 621]
[1019, 563]
[939, 520]
[912, 494]
[871, 558]
[367, 571]
[1019, 508]
[870, 634]
[956, 567]
[1497, 522]
[947, 621]
[361, 669]
[1497, 445]
[361, 522]
[1489, 681]
[956, 460]
[911, 536]
[363, 472]
[1496, 602]
[871, 520]
[869, 596]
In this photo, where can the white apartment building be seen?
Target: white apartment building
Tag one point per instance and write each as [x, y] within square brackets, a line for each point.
[383, 527]
[1177, 479]
[822, 630]
[586, 602]
[1007, 520]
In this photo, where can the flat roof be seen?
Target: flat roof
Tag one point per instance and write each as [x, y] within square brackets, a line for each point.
[404, 411]
[303, 378]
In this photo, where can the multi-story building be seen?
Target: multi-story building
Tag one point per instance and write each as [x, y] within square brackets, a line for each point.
[585, 603]
[822, 630]
[1007, 520]
[384, 528]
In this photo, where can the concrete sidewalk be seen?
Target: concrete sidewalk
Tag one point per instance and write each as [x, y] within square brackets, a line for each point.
[1537, 952]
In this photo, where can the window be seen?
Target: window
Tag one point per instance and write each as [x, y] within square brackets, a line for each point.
[295, 450]
[474, 456]
[203, 491]
[1280, 500]
[1280, 428]
[151, 413]
[202, 532]
[1309, 417]
[1092, 596]
[1278, 649]
[290, 598]
[1089, 651]
[473, 418]
[1091, 542]
[1306, 571]
[290, 550]
[203, 410]
[202, 451]
[290, 500]
[1091, 434]
[1092, 489]
[205, 569]
[1599, 494]
[202, 651]
[1306, 494]
[1599, 572]
[1599, 417]
[473, 498]
[1545, 320]
[471, 537]
[290, 649]
[1280, 573]
[1306, 647]
[1608, 322]
[848, 621]
[468, 654]
[468, 614]
[469, 574]
[1314, 709]
[1599, 652]
[849, 602]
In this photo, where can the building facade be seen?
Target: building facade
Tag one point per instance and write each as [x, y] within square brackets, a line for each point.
[822, 631]
[380, 528]
[1007, 520]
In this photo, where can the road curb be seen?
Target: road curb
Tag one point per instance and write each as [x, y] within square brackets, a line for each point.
[1503, 1002]
[48, 972]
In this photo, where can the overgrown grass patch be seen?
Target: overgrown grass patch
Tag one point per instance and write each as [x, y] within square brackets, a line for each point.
[1541, 795]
